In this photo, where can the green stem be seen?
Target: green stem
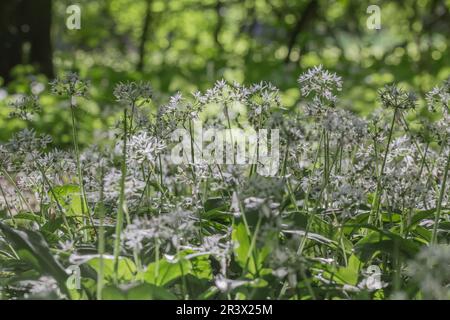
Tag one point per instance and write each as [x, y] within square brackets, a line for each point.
[377, 198]
[227, 115]
[156, 259]
[84, 205]
[439, 204]
[251, 248]
[122, 205]
[316, 159]
[286, 155]
[101, 241]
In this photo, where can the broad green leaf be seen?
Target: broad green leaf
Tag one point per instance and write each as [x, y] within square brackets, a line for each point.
[250, 260]
[242, 254]
[72, 192]
[201, 267]
[214, 203]
[384, 241]
[126, 268]
[351, 272]
[165, 271]
[33, 248]
[421, 215]
[423, 233]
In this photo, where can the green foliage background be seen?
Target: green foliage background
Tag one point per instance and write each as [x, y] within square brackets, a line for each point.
[190, 44]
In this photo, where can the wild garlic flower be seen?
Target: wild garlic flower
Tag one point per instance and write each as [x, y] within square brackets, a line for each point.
[132, 92]
[134, 185]
[172, 228]
[224, 92]
[292, 128]
[27, 143]
[25, 107]
[438, 102]
[347, 194]
[393, 97]
[312, 184]
[8, 198]
[439, 97]
[229, 176]
[193, 173]
[174, 114]
[136, 232]
[144, 149]
[321, 83]
[59, 166]
[169, 116]
[345, 126]
[5, 157]
[261, 100]
[402, 182]
[95, 164]
[70, 85]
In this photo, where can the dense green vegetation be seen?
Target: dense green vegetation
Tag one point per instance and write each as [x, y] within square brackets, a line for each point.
[93, 205]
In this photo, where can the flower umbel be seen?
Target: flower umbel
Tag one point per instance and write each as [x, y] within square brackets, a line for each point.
[394, 97]
[131, 92]
[70, 85]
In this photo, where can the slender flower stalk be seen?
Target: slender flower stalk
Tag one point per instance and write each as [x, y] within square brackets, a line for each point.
[394, 98]
[130, 94]
[439, 202]
[87, 219]
[122, 209]
[101, 239]
[72, 87]
[378, 192]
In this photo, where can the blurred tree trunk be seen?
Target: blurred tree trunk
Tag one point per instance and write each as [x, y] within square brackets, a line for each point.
[144, 35]
[40, 17]
[10, 38]
[303, 19]
[21, 22]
